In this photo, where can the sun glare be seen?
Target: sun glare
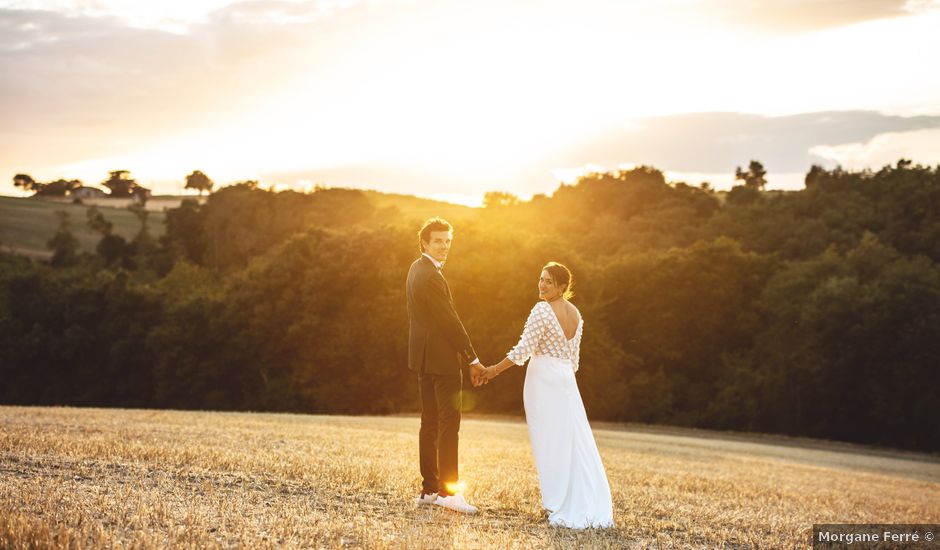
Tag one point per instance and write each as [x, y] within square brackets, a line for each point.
[456, 488]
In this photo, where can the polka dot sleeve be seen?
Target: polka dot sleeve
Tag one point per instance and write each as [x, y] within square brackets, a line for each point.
[535, 327]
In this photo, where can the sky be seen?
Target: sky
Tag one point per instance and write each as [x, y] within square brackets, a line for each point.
[449, 99]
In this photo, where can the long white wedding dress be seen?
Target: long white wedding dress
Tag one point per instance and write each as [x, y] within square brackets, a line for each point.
[574, 484]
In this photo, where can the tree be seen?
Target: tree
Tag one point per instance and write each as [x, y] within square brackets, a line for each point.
[184, 229]
[743, 195]
[199, 181]
[111, 247]
[26, 182]
[121, 184]
[143, 246]
[754, 177]
[813, 312]
[815, 173]
[63, 244]
[494, 199]
[140, 195]
[97, 222]
[114, 248]
[57, 188]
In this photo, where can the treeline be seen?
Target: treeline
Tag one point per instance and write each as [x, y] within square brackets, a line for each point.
[119, 185]
[813, 312]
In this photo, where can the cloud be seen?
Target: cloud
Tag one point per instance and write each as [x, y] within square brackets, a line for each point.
[77, 86]
[411, 96]
[796, 16]
[883, 149]
[691, 148]
[717, 142]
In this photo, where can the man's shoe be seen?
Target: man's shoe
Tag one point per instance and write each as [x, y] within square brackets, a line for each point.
[456, 503]
[426, 498]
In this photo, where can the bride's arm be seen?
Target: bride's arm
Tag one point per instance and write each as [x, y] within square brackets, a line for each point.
[535, 326]
[576, 359]
[495, 370]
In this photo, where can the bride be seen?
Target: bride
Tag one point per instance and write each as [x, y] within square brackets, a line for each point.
[571, 476]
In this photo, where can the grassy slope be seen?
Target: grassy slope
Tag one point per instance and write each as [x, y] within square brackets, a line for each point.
[110, 478]
[419, 209]
[27, 224]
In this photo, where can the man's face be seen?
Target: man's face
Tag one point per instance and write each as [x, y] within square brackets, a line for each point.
[439, 245]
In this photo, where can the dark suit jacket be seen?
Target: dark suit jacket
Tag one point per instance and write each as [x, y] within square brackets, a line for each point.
[437, 340]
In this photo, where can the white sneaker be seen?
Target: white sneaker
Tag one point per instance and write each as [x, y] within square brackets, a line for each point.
[456, 503]
[426, 499]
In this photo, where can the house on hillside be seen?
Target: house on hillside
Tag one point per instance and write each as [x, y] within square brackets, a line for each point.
[140, 195]
[82, 193]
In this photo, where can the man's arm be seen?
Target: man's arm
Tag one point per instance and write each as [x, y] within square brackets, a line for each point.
[443, 313]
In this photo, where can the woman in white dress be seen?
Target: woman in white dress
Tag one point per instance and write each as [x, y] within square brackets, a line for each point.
[574, 484]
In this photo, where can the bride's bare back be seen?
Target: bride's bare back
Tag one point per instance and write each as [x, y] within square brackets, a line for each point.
[568, 316]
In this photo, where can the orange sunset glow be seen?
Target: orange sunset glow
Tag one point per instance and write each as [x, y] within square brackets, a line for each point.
[452, 99]
[529, 274]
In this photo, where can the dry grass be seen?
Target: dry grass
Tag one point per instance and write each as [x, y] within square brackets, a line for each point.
[137, 479]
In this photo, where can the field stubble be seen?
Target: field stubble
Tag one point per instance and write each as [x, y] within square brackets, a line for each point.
[140, 478]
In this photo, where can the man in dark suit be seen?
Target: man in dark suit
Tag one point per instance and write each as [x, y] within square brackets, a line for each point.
[438, 350]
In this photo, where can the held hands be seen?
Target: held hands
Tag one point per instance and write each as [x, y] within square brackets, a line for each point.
[477, 370]
[491, 373]
[481, 375]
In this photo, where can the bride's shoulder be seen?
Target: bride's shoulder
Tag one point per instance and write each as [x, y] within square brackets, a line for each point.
[540, 308]
[576, 311]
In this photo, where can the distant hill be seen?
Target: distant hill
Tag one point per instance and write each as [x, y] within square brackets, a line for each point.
[421, 209]
[27, 224]
[156, 203]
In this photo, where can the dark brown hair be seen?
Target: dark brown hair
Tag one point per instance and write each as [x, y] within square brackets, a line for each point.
[562, 277]
[433, 224]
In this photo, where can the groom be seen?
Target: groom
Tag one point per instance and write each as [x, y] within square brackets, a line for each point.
[438, 350]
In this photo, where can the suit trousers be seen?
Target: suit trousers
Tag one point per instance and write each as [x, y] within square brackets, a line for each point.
[440, 424]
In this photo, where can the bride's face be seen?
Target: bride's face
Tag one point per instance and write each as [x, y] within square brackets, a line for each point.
[547, 288]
